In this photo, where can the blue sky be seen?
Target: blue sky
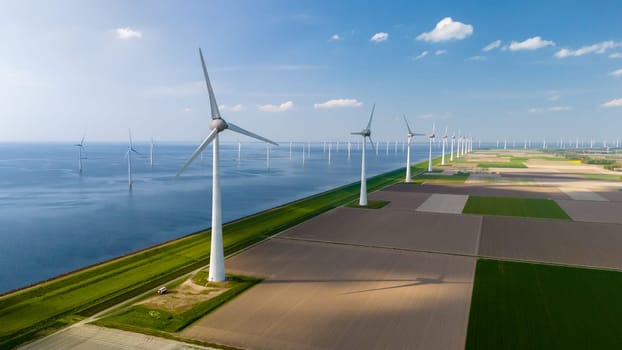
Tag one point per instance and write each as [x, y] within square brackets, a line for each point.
[310, 70]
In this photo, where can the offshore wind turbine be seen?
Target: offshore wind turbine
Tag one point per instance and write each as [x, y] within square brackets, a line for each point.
[410, 135]
[239, 151]
[217, 125]
[80, 157]
[128, 155]
[151, 153]
[451, 153]
[366, 133]
[432, 137]
[443, 151]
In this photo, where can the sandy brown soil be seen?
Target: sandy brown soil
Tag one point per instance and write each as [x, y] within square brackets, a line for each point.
[183, 297]
[444, 203]
[395, 228]
[555, 241]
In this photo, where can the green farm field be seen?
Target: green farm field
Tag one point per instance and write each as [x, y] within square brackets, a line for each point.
[523, 207]
[536, 306]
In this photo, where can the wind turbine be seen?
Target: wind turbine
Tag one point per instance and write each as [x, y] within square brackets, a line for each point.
[410, 137]
[443, 151]
[128, 155]
[365, 133]
[432, 137]
[80, 157]
[217, 125]
[453, 139]
[151, 153]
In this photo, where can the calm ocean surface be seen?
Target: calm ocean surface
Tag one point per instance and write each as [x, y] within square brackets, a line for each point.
[52, 220]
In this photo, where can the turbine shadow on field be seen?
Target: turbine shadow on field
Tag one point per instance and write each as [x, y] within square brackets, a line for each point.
[419, 281]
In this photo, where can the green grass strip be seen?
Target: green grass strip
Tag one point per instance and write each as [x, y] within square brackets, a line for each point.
[37, 310]
[507, 206]
[603, 177]
[535, 306]
[155, 319]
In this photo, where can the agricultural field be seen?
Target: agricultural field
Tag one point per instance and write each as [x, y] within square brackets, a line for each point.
[536, 306]
[507, 206]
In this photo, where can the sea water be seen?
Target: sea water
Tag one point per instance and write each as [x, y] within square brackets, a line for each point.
[54, 220]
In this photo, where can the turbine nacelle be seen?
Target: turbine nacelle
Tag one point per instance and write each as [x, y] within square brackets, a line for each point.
[218, 124]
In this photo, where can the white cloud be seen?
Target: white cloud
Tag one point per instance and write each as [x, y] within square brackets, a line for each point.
[616, 55]
[335, 37]
[341, 102]
[380, 37]
[128, 33]
[234, 108]
[187, 109]
[476, 58]
[447, 29]
[493, 45]
[550, 109]
[530, 44]
[285, 106]
[616, 73]
[440, 52]
[559, 108]
[553, 95]
[420, 56]
[617, 102]
[599, 48]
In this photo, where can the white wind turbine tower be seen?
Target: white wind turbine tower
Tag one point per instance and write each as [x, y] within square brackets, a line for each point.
[151, 153]
[443, 151]
[349, 146]
[366, 133]
[432, 137]
[128, 155]
[240, 152]
[451, 153]
[410, 137]
[80, 156]
[458, 144]
[217, 125]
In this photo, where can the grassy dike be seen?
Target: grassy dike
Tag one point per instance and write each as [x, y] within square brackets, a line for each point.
[43, 308]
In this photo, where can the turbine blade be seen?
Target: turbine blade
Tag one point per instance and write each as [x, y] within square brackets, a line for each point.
[239, 130]
[130, 131]
[371, 116]
[210, 91]
[446, 130]
[356, 133]
[433, 128]
[372, 142]
[82, 142]
[199, 149]
[408, 126]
